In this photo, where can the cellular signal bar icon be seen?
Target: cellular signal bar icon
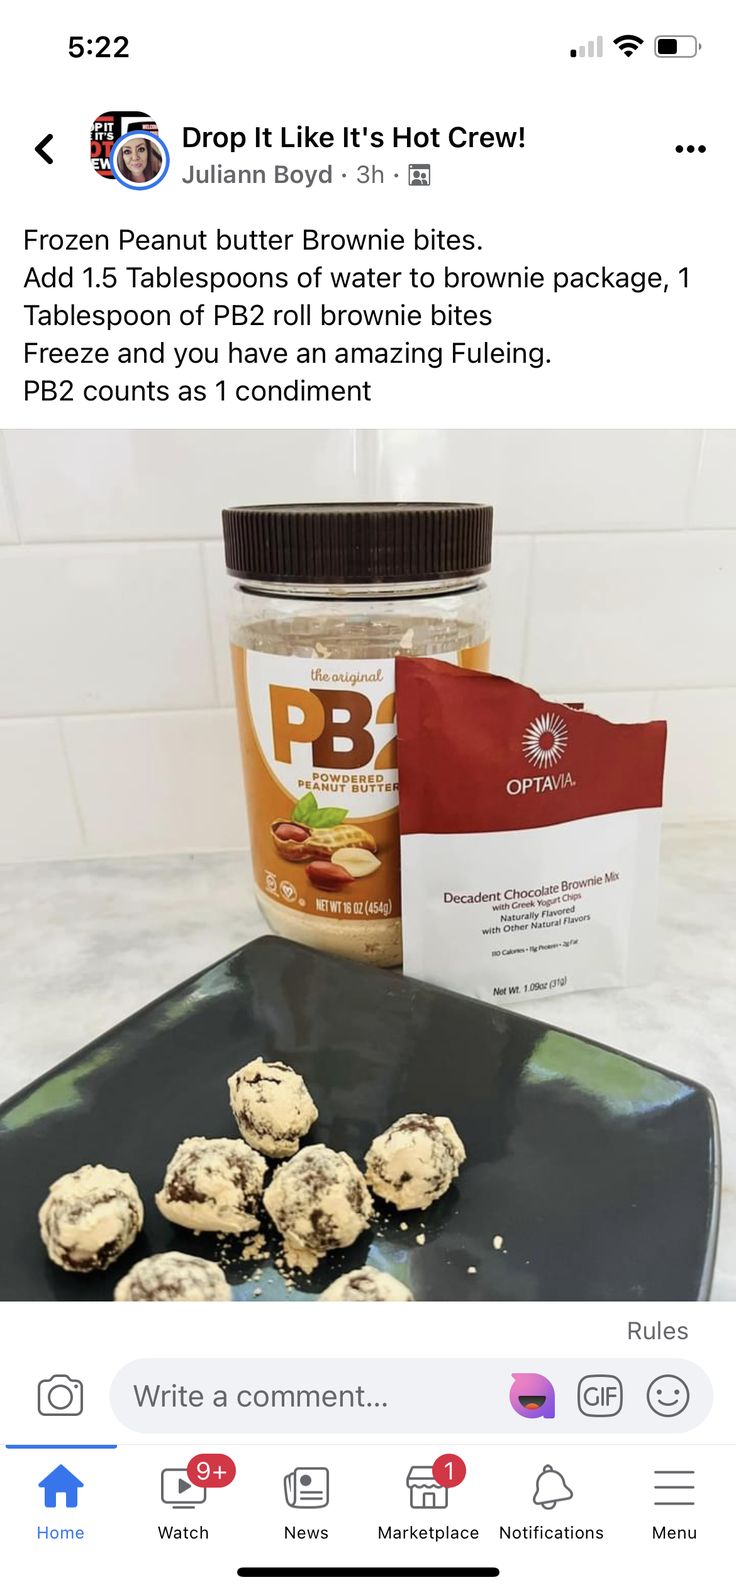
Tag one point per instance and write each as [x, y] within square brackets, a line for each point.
[594, 47]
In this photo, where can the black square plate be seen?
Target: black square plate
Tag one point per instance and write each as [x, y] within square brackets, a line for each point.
[598, 1172]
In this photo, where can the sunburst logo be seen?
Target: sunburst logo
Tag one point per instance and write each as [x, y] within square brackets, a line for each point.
[544, 743]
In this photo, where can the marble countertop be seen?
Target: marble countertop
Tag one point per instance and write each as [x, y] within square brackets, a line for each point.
[84, 944]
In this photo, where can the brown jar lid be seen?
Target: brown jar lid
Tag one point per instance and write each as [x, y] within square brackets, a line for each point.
[344, 544]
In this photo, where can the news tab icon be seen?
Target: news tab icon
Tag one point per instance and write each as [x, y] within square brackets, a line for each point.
[307, 1487]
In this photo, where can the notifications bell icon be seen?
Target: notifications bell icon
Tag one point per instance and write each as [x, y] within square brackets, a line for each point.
[551, 1488]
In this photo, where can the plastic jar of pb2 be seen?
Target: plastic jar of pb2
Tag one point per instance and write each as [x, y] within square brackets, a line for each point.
[325, 596]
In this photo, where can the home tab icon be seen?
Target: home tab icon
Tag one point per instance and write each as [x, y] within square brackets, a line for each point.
[60, 1483]
[424, 1491]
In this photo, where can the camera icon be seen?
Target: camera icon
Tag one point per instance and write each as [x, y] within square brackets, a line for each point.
[60, 1395]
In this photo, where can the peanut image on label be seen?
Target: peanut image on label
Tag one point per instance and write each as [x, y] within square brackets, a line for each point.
[356, 861]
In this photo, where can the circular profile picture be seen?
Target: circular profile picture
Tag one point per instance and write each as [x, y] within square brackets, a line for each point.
[139, 160]
[107, 128]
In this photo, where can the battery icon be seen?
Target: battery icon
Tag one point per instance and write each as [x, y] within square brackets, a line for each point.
[679, 45]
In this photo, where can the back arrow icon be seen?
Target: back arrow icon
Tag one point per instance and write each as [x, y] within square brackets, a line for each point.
[40, 149]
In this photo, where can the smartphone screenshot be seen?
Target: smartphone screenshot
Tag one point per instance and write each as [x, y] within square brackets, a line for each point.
[367, 795]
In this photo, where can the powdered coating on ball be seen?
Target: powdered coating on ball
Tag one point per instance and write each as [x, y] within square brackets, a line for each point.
[414, 1162]
[319, 1201]
[272, 1107]
[90, 1217]
[358, 1287]
[213, 1186]
[173, 1276]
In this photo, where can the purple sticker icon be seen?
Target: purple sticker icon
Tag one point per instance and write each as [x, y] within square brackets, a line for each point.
[532, 1396]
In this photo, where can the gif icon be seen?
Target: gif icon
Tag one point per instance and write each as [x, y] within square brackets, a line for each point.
[600, 1395]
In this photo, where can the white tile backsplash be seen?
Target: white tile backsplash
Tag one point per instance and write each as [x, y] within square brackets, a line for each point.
[38, 813]
[218, 587]
[714, 495]
[542, 481]
[610, 611]
[613, 581]
[155, 782]
[93, 486]
[700, 768]
[8, 528]
[621, 707]
[103, 628]
[509, 578]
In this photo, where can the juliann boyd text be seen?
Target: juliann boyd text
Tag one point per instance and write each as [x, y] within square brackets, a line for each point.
[307, 176]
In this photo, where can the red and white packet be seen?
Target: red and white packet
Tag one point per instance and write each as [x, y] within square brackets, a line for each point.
[529, 837]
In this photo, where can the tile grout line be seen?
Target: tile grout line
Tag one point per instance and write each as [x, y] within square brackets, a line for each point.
[697, 472]
[528, 607]
[9, 491]
[69, 543]
[197, 540]
[59, 722]
[228, 707]
[73, 716]
[210, 625]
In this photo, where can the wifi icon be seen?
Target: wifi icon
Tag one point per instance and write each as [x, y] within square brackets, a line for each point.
[628, 43]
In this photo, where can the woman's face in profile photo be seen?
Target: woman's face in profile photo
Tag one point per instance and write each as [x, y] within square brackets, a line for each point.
[135, 154]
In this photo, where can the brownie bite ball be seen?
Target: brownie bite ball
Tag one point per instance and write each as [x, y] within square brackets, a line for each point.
[173, 1276]
[367, 1284]
[213, 1186]
[414, 1162]
[319, 1201]
[90, 1217]
[272, 1107]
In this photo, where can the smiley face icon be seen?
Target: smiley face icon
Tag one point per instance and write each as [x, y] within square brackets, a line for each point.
[668, 1395]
